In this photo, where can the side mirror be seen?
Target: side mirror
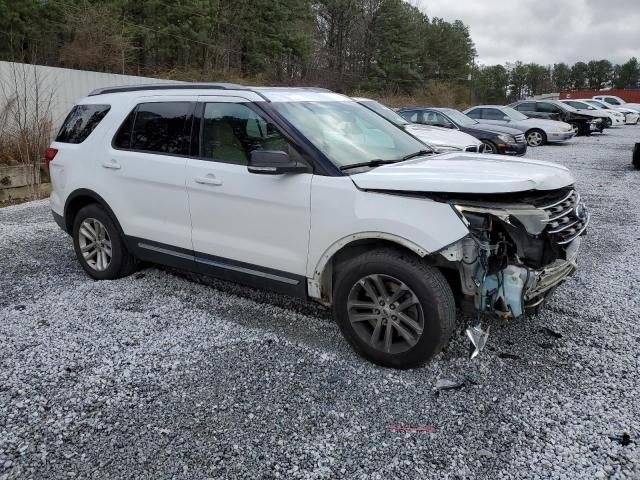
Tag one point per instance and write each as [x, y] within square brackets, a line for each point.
[273, 162]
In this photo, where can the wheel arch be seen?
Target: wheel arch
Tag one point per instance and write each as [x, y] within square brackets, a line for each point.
[81, 198]
[320, 285]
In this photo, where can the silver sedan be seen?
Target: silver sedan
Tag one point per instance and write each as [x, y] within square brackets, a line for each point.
[537, 131]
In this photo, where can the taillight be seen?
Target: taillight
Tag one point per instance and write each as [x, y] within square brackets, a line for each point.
[50, 154]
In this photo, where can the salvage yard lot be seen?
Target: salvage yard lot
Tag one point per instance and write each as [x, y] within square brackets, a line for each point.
[161, 375]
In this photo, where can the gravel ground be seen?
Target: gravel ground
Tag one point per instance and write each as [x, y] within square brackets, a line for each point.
[158, 375]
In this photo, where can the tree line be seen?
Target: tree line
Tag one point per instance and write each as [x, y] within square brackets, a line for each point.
[502, 83]
[385, 47]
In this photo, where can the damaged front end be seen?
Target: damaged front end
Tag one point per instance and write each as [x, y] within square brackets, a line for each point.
[519, 248]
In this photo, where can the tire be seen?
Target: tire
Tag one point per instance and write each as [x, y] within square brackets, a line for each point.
[636, 156]
[536, 138]
[97, 223]
[609, 123]
[432, 308]
[490, 147]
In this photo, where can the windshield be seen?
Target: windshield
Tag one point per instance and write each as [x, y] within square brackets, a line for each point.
[513, 113]
[599, 104]
[384, 111]
[580, 105]
[459, 117]
[566, 106]
[348, 133]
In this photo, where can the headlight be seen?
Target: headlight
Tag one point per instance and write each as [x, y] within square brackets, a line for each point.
[506, 138]
[446, 148]
[568, 128]
[533, 220]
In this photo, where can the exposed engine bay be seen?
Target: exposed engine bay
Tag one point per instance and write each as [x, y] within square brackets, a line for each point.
[520, 247]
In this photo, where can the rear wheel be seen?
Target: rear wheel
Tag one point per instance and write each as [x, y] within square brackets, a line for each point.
[536, 138]
[99, 247]
[392, 308]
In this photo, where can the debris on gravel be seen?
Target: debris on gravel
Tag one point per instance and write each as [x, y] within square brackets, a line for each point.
[167, 375]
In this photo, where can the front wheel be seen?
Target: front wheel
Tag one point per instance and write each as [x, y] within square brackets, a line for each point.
[536, 138]
[489, 147]
[394, 309]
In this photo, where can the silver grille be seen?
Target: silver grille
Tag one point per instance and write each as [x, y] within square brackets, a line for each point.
[520, 138]
[568, 218]
[471, 148]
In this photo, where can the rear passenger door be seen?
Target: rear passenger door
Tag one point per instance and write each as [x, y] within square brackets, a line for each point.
[145, 173]
[247, 227]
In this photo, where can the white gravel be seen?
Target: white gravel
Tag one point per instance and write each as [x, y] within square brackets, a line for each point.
[158, 376]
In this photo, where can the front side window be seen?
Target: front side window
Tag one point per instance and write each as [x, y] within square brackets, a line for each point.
[159, 127]
[347, 132]
[611, 101]
[492, 114]
[526, 107]
[476, 113]
[436, 119]
[459, 118]
[231, 131]
[410, 115]
[80, 122]
[548, 108]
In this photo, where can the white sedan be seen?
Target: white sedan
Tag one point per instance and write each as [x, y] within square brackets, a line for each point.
[631, 117]
[615, 118]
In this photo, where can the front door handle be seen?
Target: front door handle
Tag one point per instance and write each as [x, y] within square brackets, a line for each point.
[208, 179]
[112, 164]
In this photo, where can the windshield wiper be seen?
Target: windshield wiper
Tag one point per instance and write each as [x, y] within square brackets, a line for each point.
[416, 154]
[376, 162]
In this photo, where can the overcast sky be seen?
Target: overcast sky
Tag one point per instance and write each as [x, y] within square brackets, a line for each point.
[545, 31]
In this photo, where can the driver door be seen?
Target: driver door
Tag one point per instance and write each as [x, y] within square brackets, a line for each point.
[246, 227]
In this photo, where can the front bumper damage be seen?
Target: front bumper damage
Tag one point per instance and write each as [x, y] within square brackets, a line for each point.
[514, 257]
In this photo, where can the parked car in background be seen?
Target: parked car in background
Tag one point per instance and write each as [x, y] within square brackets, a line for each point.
[537, 131]
[631, 117]
[583, 122]
[307, 193]
[495, 138]
[440, 139]
[614, 118]
[617, 102]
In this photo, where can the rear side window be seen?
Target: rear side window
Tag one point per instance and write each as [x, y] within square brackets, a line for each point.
[80, 122]
[493, 114]
[526, 107]
[163, 127]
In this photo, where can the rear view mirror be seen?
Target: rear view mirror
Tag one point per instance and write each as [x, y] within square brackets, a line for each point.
[273, 162]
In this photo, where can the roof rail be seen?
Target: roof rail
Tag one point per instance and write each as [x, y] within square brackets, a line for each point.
[168, 86]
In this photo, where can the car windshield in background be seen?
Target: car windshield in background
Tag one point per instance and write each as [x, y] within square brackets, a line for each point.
[347, 132]
[386, 112]
[566, 106]
[459, 117]
[599, 104]
[580, 105]
[514, 114]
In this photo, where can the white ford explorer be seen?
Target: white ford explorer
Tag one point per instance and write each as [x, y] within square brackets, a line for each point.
[308, 193]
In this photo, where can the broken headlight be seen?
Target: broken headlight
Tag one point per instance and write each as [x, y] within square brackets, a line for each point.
[532, 219]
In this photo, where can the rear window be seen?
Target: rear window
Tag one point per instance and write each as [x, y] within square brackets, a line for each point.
[80, 122]
[162, 127]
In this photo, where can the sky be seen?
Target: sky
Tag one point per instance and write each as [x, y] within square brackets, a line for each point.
[545, 31]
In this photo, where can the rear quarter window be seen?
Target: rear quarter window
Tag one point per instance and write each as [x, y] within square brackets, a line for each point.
[80, 122]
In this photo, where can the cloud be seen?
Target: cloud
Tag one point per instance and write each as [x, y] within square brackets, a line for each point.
[545, 31]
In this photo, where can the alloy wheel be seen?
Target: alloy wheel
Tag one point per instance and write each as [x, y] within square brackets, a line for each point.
[95, 244]
[385, 313]
[534, 139]
[489, 148]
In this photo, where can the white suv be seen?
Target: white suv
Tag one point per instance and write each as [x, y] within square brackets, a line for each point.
[308, 193]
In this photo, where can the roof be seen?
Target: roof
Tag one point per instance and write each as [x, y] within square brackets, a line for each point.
[266, 93]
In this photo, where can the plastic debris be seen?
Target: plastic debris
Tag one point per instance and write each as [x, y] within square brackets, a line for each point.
[449, 384]
[478, 338]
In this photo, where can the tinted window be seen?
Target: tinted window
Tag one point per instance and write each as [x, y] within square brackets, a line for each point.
[612, 101]
[548, 108]
[493, 114]
[80, 122]
[475, 113]
[526, 107]
[231, 131]
[412, 116]
[436, 119]
[163, 127]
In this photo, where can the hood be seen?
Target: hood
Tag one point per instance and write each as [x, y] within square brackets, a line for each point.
[494, 128]
[465, 173]
[442, 137]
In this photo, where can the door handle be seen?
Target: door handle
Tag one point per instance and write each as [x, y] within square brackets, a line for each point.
[208, 179]
[113, 165]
